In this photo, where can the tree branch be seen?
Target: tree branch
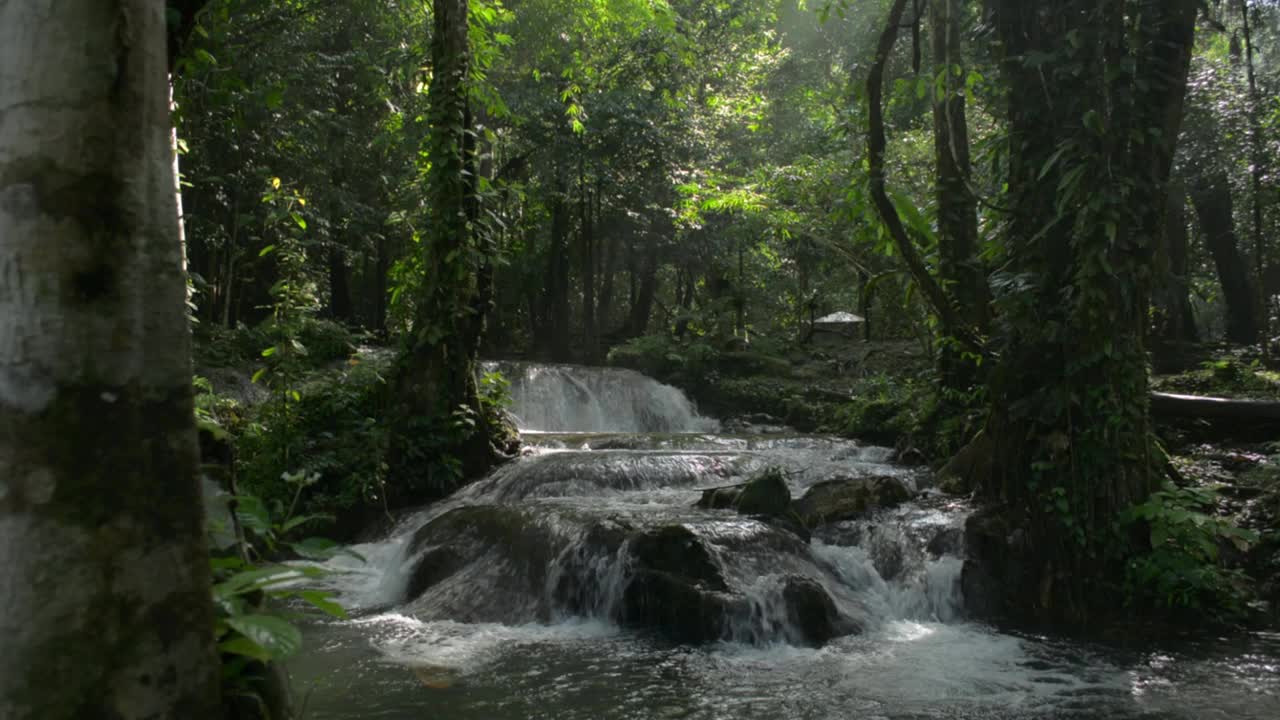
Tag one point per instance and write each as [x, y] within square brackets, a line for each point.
[876, 143]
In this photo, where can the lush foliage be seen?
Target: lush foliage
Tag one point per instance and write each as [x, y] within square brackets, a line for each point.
[1184, 569]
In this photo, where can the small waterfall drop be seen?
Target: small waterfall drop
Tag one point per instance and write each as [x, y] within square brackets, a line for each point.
[567, 399]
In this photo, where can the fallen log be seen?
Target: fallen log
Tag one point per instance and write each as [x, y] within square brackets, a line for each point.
[1210, 408]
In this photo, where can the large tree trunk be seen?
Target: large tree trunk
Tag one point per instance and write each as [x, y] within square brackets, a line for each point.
[959, 266]
[106, 601]
[1068, 438]
[435, 394]
[1211, 196]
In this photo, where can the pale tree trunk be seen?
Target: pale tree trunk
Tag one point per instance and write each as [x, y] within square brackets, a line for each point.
[106, 600]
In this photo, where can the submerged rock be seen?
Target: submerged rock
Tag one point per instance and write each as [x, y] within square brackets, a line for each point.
[848, 498]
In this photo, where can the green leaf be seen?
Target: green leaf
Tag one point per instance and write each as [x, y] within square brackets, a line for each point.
[255, 580]
[303, 520]
[276, 636]
[267, 251]
[243, 646]
[258, 375]
[323, 602]
[316, 548]
[298, 220]
[1053, 159]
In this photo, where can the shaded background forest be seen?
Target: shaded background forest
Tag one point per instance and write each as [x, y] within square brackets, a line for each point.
[696, 170]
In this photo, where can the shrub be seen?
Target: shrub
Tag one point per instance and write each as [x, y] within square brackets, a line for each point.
[326, 437]
[1184, 571]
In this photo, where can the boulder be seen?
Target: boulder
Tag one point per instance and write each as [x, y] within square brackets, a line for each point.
[507, 549]
[812, 614]
[676, 588]
[766, 494]
[848, 498]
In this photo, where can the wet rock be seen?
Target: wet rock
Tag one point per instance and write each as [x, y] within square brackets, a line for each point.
[676, 588]
[674, 606]
[506, 548]
[790, 522]
[767, 494]
[720, 498]
[434, 566]
[848, 498]
[676, 550]
[948, 541]
[812, 613]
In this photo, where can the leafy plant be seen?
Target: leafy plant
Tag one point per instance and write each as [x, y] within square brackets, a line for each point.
[1184, 569]
[253, 626]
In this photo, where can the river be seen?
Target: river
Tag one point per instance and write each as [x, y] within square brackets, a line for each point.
[516, 597]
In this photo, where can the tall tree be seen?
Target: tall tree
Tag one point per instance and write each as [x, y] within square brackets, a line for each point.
[1257, 171]
[959, 266]
[435, 388]
[1211, 197]
[1095, 99]
[1175, 319]
[106, 590]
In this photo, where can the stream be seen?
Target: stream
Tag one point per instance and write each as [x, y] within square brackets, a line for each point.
[533, 593]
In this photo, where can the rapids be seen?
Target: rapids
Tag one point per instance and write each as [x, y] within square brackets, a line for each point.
[509, 599]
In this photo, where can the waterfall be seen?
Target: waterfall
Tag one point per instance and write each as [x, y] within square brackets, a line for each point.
[569, 399]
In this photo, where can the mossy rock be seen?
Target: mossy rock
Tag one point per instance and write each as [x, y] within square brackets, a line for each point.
[766, 494]
[849, 498]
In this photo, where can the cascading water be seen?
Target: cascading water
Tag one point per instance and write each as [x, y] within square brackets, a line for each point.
[582, 582]
[564, 398]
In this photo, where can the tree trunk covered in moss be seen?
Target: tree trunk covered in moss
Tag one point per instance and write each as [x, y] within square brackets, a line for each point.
[1096, 92]
[440, 433]
[959, 267]
[106, 599]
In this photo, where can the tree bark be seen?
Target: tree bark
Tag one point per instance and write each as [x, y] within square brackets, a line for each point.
[1257, 171]
[1069, 429]
[1211, 196]
[943, 304]
[590, 348]
[107, 611]
[646, 292]
[558, 307]
[1176, 319]
[435, 393]
[959, 267]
